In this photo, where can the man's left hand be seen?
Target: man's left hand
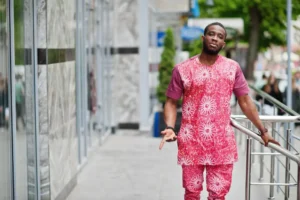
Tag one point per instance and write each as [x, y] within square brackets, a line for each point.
[267, 138]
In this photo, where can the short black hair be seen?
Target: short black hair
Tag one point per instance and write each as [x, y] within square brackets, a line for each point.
[213, 24]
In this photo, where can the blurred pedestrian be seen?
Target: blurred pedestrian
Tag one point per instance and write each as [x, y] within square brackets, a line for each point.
[295, 96]
[297, 78]
[261, 82]
[272, 88]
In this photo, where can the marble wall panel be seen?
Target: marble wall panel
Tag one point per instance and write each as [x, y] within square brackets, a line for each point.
[42, 23]
[126, 23]
[125, 89]
[43, 132]
[28, 23]
[30, 131]
[61, 23]
[63, 141]
[29, 104]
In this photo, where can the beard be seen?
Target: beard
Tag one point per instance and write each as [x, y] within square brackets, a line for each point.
[210, 51]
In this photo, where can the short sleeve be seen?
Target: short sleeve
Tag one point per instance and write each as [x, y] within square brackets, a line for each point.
[240, 87]
[175, 88]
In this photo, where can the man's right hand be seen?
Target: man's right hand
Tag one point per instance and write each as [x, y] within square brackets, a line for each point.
[267, 138]
[168, 136]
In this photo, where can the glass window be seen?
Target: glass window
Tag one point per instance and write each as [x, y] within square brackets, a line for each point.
[25, 160]
[5, 135]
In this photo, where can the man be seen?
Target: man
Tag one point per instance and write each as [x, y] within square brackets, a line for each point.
[206, 139]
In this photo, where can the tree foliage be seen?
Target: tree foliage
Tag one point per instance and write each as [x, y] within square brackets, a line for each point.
[264, 22]
[166, 65]
[193, 47]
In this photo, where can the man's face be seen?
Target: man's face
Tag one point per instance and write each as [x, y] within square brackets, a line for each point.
[213, 40]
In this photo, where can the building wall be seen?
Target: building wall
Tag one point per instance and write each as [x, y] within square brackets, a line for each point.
[57, 96]
[63, 145]
[125, 83]
[48, 135]
[43, 131]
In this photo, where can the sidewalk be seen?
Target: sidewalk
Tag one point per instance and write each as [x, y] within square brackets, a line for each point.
[129, 166]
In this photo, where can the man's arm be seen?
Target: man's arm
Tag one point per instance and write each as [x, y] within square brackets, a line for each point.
[249, 109]
[251, 113]
[173, 93]
[170, 112]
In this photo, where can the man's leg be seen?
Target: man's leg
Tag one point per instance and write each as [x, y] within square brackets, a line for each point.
[192, 177]
[218, 179]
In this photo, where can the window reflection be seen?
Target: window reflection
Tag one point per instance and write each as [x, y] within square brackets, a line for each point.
[4, 107]
[20, 102]
[5, 136]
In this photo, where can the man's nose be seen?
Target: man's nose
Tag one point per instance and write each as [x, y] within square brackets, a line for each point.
[215, 38]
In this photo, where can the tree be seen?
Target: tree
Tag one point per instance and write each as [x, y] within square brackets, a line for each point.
[265, 22]
[193, 47]
[166, 65]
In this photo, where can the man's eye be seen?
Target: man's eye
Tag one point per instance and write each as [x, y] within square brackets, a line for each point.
[220, 36]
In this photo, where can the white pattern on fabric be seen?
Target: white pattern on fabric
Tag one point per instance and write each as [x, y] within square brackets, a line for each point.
[217, 184]
[188, 110]
[186, 133]
[230, 158]
[207, 106]
[230, 73]
[207, 160]
[196, 182]
[202, 76]
[207, 130]
[185, 161]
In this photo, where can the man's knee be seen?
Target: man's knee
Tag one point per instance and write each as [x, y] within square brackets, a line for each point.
[192, 195]
[219, 181]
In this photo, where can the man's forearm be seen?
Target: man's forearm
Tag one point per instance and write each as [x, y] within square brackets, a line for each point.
[251, 113]
[170, 112]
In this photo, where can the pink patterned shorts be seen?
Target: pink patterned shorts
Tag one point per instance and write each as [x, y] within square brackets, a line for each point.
[218, 180]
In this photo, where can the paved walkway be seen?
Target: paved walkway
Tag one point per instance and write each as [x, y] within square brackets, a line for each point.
[129, 166]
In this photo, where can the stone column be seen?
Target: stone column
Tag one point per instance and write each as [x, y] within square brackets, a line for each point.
[125, 83]
[43, 100]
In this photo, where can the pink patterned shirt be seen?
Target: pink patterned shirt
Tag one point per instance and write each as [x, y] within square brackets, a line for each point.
[205, 136]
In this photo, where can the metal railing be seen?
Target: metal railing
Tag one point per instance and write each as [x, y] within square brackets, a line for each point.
[282, 129]
[289, 155]
[274, 101]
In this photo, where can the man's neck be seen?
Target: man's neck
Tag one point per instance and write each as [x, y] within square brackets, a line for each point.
[207, 59]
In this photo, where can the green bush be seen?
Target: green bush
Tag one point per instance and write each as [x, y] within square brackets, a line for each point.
[166, 65]
[195, 47]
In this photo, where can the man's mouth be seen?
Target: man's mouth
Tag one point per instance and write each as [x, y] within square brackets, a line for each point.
[213, 45]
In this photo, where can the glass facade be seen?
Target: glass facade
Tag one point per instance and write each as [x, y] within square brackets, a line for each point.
[6, 138]
[54, 93]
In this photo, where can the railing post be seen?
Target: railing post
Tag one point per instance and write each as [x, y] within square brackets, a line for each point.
[248, 169]
[249, 125]
[287, 166]
[298, 186]
[261, 171]
[272, 172]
